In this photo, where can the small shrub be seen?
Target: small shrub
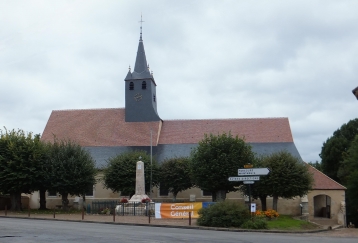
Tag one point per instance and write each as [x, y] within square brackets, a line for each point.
[255, 223]
[223, 214]
[124, 200]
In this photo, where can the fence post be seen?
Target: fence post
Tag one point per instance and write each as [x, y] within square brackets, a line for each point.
[29, 211]
[83, 213]
[54, 212]
[114, 215]
[5, 210]
[149, 216]
[189, 218]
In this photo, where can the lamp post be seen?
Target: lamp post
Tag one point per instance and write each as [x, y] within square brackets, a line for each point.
[151, 168]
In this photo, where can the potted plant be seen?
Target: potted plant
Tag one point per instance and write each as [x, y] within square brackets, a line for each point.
[146, 200]
[124, 200]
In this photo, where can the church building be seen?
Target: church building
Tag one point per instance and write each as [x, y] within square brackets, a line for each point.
[108, 132]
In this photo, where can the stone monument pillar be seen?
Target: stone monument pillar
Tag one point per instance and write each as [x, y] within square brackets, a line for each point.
[139, 184]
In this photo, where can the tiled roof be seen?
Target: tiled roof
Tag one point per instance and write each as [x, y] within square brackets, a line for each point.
[107, 127]
[323, 182]
[99, 127]
[261, 130]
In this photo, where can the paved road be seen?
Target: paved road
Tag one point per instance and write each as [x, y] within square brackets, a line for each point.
[14, 230]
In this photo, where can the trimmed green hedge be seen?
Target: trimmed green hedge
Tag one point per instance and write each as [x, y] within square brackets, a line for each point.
[223, 214]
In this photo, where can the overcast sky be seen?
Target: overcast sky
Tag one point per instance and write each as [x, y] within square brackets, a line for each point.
[210, 59]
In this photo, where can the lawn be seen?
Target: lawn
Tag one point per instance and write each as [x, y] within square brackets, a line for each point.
[285, 222]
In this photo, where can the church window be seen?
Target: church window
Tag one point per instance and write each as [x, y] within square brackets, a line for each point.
[131, 86]
[154, 98]
[51, 194]
[144, 85]
[163, 190]
[89, 191]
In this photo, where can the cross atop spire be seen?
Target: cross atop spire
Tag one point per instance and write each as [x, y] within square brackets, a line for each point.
[141, 22]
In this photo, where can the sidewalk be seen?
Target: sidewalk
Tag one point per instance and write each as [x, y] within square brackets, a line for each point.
[139, 220]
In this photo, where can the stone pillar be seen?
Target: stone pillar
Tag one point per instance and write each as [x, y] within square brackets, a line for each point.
[139, 184]
[342, 214]
[304, 207]
[139, 179]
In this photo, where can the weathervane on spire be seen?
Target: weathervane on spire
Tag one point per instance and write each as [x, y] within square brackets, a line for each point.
[141, 22]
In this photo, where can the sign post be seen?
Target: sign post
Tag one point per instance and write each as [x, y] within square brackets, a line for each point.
[248, 176]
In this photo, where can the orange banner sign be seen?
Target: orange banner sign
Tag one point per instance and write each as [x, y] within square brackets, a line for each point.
[177, 210]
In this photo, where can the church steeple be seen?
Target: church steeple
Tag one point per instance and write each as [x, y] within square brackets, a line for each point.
[141, 61]
[141, 100]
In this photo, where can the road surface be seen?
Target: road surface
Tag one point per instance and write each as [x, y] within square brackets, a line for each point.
[16, 230]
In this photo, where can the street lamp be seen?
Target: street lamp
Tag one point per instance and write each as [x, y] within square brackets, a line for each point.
[151, 168]
[355, 92]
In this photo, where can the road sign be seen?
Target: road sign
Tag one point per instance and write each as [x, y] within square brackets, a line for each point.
[253, 171]
[245, 178]
[249, 182]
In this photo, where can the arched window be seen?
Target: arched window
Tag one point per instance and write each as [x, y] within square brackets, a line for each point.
[131, 86]
[144, 85]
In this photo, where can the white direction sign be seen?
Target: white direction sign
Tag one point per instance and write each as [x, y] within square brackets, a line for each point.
[253, 171]
[249, 182]
[245, 178]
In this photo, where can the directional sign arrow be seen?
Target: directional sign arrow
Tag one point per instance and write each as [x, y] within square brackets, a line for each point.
[249, 182]
[245, 178]
[253, 171]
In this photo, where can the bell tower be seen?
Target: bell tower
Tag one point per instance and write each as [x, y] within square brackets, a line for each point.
[140, 90]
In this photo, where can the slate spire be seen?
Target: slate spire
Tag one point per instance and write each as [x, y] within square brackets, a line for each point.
[140, 67]
[141, 60]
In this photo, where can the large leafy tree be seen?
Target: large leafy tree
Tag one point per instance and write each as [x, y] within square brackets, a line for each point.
[335, 148]
[216, 159]
[289, 177]
[21, 159]
[120, 172]
[348, 173]
[175, 175]
[72, 169]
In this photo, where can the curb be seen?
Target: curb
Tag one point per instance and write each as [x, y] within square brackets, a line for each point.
[183, 227]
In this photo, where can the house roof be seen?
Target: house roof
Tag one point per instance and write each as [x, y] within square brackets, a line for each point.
[100, 127]
[255, 130]
[323, 182]
[107, 127]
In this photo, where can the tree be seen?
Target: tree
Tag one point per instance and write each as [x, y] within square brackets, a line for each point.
[317, 165]
[175, 175]
[335, 148]
[45, 171]
[348, 173]
[72, 169]
[21, 157]
[216, 159]
[120, 173]
[288, 177]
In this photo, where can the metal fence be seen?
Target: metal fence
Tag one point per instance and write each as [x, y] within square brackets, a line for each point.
[102, 207]
[121, 209]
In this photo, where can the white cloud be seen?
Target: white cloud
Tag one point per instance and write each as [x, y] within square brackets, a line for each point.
[211, 59]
